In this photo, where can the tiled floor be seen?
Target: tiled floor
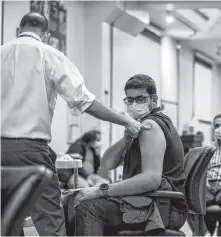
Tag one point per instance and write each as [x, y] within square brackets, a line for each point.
[31, 231]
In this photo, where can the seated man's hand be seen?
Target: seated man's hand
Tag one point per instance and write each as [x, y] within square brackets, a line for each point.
[88, 194]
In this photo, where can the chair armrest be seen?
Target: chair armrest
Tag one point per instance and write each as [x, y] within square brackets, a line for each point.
[212, 209]
[163, 201]
[166, 194]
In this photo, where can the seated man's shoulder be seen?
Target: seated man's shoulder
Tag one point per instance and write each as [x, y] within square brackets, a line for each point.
[154, 134]
[152, 125]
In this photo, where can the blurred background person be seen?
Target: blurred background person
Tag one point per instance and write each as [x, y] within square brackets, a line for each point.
[214, 179]
[88, 146]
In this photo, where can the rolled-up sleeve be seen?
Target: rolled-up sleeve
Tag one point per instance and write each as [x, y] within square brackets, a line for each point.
[68, 81]
[86, 98]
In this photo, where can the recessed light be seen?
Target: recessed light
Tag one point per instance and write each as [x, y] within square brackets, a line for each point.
[169, 19]
[178, 46]
[170, 7]
[218, 51]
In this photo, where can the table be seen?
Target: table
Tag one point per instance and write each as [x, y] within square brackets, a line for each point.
[63, 161]
[70, 161]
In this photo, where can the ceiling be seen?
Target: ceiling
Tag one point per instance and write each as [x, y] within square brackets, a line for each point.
[196, 24]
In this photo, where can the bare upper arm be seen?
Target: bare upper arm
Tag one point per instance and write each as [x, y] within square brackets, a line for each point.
[152, 147]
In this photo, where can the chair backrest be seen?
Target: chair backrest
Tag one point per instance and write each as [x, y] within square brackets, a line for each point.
[195, 167]
[21, 187]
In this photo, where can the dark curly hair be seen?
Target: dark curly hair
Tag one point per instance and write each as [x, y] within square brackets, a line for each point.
[90, 136]
[141, 81]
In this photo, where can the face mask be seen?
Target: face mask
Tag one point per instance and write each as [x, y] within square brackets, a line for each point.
[217, 133]
[97, 144]
[135, 110]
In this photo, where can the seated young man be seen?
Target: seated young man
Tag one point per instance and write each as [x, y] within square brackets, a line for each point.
[153, 160]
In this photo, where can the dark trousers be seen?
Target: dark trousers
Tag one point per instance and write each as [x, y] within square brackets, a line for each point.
[101, 217]
[213, 198]
[47, 214]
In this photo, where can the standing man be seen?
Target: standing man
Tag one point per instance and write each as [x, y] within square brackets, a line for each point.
[214, 179]
[32, 73]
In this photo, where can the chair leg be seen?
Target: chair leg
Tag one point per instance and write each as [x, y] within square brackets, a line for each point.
[191, 221]
[22, 233]
[217, 230]
[199, 226]
[75, 178]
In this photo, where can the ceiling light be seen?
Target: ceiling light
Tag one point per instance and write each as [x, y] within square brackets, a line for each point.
[169, 19]
[169, 7]
[218, 51]
[178, 46]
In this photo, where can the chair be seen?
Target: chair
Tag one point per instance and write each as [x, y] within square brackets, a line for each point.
[195, 168]
[21, 187]
[66, 201]
[215, 210]
[68, 162]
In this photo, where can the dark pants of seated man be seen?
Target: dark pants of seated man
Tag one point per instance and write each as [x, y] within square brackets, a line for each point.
[101, 217]
[210, 219]
[47, 213]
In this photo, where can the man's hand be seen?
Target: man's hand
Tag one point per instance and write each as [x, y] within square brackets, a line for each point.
[88, 194]
[134, 127]
[127, 136]
[100, 111]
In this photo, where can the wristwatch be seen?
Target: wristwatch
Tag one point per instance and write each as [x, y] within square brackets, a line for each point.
[104, 188]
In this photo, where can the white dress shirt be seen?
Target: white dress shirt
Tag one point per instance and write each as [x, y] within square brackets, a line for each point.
[32, 73]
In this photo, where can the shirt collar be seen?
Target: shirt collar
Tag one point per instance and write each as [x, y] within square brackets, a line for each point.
[156, 110]
[31, 34]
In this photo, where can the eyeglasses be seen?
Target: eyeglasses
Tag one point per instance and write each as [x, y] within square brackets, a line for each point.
[139, 100]
[217, 125]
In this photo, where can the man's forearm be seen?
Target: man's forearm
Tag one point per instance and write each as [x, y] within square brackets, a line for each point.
[141, 183]
[100, 111]
[113, 154]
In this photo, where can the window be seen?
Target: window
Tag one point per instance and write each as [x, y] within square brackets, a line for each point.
[202, 91]
[203, 98]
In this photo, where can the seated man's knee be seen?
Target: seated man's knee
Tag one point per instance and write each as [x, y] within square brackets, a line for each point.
[84, 207]
[88, 207]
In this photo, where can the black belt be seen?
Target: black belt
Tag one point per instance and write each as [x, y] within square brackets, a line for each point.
[30, 139]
